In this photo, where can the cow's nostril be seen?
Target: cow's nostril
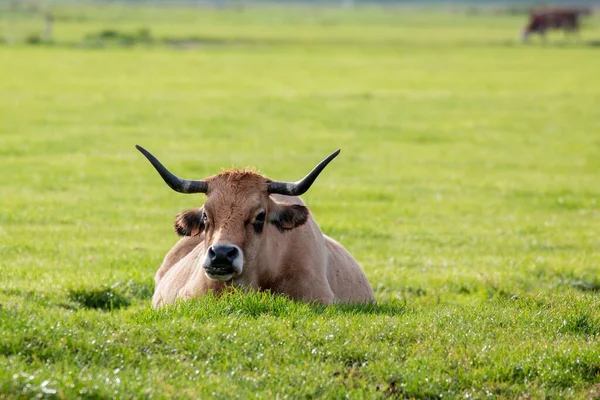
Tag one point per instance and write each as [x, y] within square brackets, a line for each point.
[232, 254]
[211, 254]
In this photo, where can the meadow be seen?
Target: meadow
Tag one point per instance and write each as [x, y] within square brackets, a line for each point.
[467, 187]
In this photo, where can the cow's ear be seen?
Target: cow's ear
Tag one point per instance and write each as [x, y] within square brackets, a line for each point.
[288, 216]
[189, 223]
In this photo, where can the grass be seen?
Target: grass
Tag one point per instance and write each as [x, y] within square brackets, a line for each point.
[467, 187]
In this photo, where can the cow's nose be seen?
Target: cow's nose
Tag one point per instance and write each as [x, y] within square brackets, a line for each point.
[222, 254]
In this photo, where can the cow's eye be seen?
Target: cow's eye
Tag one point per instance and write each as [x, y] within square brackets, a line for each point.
[259, 222]
[204, 217]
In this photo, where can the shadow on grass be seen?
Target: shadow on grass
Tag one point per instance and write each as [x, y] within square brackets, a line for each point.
[106, 299]
[143, 37]
[581, 324]
[586, 285]
[115, 297]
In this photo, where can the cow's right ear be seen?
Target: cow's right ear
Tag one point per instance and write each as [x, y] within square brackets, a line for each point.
[189, 223]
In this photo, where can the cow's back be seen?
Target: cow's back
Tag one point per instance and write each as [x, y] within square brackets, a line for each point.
[346, 278]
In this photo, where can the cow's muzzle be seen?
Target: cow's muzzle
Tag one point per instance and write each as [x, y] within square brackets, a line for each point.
[223, 262]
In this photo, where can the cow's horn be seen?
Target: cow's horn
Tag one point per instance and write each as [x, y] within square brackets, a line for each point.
[300, 187]
[174, 182]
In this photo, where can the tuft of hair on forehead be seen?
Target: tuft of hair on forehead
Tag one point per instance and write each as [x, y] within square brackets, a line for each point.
[237, 177]
[233, 175]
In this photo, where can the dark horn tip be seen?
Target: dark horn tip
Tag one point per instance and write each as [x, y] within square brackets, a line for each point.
[300, 187]
[145, 152]
[332, 155]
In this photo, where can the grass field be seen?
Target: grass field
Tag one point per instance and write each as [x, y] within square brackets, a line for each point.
[467, 187]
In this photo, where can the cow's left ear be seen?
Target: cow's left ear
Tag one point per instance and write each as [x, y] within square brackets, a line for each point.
[189, 223]
[288, 216]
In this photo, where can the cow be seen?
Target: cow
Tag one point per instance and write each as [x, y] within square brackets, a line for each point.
[254, 233]
[541, 21]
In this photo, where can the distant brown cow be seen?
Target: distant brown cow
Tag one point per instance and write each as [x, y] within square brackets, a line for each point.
[541, 21]
[256, 233]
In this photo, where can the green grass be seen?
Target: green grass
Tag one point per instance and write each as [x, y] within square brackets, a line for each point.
[467, 187]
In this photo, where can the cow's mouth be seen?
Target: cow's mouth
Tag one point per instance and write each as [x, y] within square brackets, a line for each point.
[220, 272]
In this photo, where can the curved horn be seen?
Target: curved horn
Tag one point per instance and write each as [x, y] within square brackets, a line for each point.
[174, 182]
[300, 187]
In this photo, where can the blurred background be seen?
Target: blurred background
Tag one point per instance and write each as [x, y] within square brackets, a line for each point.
[188, 24]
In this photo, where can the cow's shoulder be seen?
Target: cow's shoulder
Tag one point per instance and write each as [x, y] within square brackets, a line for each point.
[182, 248]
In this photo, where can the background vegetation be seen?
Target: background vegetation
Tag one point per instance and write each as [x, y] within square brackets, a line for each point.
[467, 187]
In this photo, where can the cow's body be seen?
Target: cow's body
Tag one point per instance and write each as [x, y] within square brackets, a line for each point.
[325, 272]
[541, 21]
[255, 233]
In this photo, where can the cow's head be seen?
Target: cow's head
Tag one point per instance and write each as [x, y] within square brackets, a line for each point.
[238, 214]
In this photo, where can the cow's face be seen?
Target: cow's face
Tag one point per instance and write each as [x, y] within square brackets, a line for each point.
[236, 219]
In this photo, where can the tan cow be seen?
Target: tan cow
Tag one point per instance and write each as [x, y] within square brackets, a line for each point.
[256, 233]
